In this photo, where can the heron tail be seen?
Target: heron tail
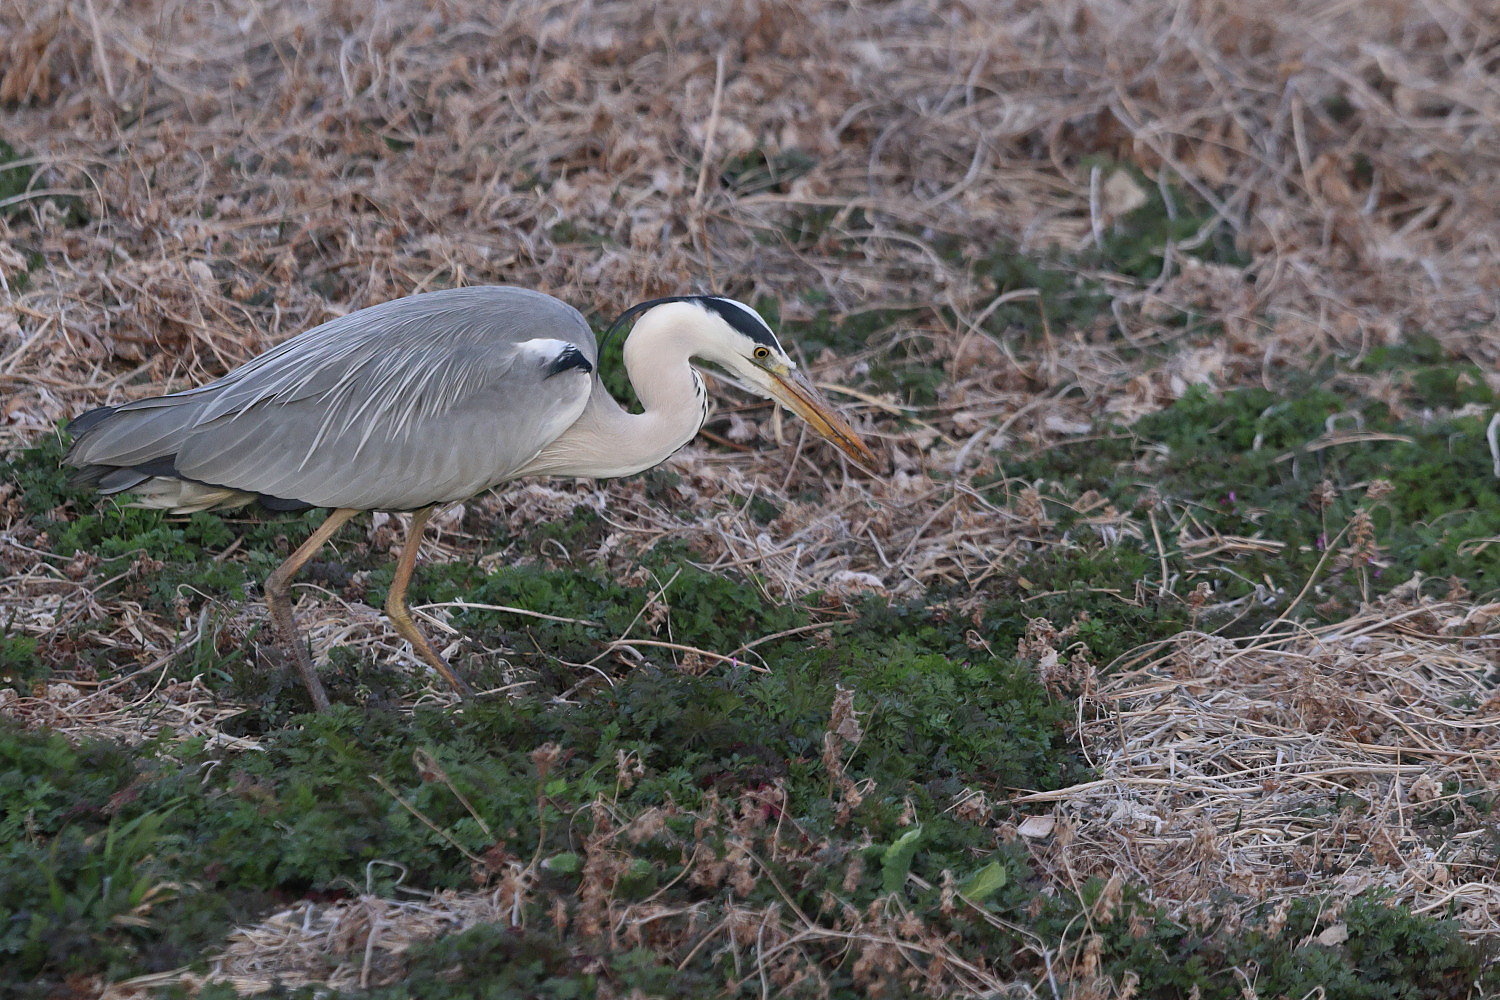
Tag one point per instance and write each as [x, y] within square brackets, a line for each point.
[133, 448]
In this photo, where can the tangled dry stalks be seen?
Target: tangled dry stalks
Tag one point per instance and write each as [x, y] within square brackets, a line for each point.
[214, 177]
[1335, 760]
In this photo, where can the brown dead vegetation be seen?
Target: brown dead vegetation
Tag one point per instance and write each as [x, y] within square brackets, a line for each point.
[1350, 756]
[249, 170]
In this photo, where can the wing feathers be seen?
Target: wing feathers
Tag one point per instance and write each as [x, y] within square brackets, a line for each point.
[420, 400]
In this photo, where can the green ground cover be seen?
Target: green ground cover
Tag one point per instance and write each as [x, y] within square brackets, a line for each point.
[715, 794]
[124, 860]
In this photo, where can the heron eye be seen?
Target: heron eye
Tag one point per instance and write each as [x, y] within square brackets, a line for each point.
[761, 353]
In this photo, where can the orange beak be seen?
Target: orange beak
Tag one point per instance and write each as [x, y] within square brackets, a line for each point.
[793, 390]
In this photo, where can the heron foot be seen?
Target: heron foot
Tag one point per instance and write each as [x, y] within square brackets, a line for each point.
[400, 614]
[464, 689]
[310, 678]
[291, 647]
[279, 602]
[423, 648]
[281, 655]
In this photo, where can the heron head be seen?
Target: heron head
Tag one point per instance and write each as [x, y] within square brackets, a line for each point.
[739, 340]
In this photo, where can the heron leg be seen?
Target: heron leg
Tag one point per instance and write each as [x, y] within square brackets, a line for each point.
[395, 604]
[278, 600]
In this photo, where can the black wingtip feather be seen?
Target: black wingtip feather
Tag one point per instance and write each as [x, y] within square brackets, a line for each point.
[81, 423]
[278, 504]
[118, 478]
[89, 475]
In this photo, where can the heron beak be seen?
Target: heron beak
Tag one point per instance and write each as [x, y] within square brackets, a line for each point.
[792, 389]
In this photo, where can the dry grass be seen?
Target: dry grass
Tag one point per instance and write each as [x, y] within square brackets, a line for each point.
[253, 170]
[351, 945]
[1353, 756]
[250, 170]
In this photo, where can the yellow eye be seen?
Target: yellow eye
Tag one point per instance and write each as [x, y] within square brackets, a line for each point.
[761, 353]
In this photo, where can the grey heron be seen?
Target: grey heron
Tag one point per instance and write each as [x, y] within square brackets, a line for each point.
[427, 400]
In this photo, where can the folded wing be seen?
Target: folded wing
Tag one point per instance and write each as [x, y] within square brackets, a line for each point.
[422, 400]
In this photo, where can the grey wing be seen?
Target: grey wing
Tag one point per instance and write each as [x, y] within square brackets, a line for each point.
[421, 400]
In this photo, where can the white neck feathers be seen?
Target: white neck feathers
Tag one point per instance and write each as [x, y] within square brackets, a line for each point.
[606, 441]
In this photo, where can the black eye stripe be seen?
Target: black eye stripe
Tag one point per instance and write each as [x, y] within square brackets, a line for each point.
[741, 319]
[733, 313]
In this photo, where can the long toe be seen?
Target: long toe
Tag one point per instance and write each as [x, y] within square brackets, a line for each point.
[284, 654]
[464, 688]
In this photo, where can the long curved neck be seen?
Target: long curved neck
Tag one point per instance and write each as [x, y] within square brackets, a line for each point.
[657, 359]
[607, 441]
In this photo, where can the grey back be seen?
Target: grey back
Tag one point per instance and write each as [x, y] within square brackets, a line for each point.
[420, 400]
